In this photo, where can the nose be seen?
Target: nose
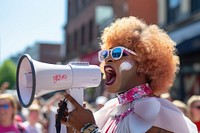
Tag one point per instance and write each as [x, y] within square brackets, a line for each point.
[109, 59]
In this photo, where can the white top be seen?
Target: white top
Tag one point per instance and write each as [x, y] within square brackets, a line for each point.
[147, 112]
[33, 129]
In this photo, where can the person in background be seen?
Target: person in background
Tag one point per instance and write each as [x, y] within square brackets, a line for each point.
[166, 96]
[194, 109]
[181, 105]
[4, 87]
[100, 101]
[8, 111]
[20, 115]
[32, 124]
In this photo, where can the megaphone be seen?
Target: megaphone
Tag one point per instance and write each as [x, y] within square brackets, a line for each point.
[35, 79]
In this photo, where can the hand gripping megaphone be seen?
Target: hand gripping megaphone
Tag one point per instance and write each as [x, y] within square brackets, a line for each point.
[35, 79]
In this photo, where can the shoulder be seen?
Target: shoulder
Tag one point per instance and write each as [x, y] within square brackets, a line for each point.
[148, 108]
[168, 117]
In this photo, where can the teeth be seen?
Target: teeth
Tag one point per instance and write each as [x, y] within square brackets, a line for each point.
[108, 69]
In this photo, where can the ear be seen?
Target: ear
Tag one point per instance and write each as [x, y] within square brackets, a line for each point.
[142, 69]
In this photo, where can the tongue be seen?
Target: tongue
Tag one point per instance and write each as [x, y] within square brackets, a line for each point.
[110, 78]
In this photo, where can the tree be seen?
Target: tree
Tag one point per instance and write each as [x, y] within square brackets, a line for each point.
[8, 73]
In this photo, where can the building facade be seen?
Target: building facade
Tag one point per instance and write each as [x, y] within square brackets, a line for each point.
[43, 52]
[85, 18]
[183, 25]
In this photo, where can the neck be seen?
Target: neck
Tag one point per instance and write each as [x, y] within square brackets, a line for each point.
[32, 122]
[134, 93]
[6, 123]
[195, 119]
[131, 86]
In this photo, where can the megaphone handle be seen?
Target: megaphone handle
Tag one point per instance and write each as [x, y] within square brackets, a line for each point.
[77, 94]
[60, 114]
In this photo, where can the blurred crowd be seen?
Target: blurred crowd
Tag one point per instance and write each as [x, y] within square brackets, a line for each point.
[191, 108]
[40, 116]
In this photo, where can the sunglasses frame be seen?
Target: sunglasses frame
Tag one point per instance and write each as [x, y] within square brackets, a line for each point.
[111, 50]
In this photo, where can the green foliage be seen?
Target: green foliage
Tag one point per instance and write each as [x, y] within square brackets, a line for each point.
[8, 73]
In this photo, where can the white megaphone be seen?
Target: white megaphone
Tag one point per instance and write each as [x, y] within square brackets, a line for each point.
[35, 79]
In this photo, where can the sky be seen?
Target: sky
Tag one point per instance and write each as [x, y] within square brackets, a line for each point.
[26, 22]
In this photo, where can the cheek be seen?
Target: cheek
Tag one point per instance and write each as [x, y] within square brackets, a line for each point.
[195, 111]
[125, 66]
[10, 110]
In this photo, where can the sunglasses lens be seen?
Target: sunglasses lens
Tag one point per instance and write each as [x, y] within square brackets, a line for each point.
[103, 55]
[117, 53]
[5, 106]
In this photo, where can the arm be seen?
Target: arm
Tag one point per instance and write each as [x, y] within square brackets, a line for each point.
[80, 118]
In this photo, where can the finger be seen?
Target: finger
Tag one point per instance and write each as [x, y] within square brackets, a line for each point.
[73, 101]
[84, 104]
[66, 123]
[66, 110]
[89, 111]
[60, 103]
[64, 119]
[65, 113]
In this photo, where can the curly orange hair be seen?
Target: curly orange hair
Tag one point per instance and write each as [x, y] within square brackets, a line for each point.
[156, 53]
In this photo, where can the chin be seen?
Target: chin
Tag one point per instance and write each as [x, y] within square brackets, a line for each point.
[114, 88]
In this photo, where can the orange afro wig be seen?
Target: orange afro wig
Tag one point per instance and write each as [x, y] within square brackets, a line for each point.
[156, 53]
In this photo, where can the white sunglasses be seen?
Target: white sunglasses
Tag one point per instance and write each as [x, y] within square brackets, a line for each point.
[116, 53]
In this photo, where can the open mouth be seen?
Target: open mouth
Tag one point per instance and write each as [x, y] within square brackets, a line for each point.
[110, 75]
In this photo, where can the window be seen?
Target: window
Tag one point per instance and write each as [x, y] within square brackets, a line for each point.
[83, 35]
[79, 4]
[84, 2]
[68, 45]
[75, 40]
[195, 5]
[91, 26]
[173, 10]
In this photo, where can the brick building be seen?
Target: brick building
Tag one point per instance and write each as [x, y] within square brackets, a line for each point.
[87, 18]
[44, 52]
